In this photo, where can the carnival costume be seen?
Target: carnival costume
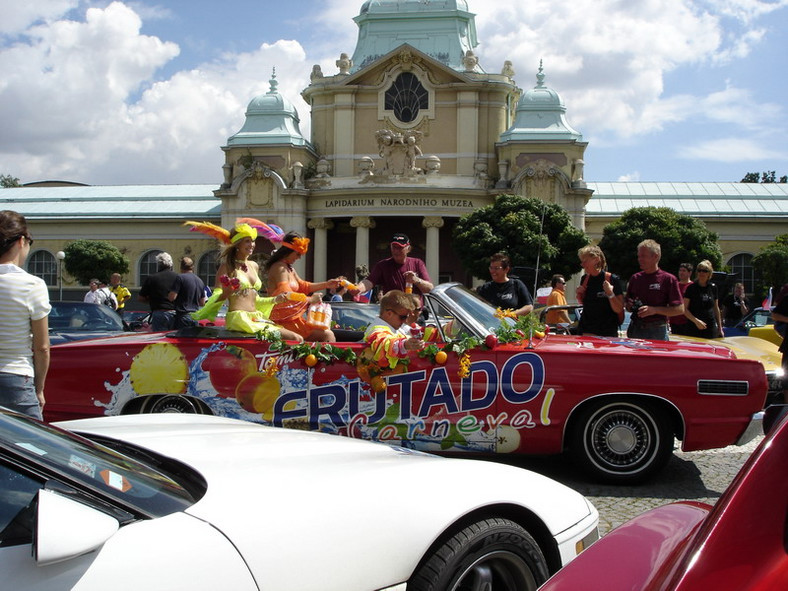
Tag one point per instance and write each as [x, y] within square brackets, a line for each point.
[238, 320]
[386, 344]
[291, 313]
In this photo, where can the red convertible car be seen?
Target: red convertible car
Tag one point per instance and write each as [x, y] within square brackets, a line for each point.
[615, 404]
[737, 545]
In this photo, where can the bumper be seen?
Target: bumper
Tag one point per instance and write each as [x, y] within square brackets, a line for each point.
[753, 430]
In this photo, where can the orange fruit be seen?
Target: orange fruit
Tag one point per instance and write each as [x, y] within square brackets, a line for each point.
[441, 357]
[378, 384]
[257, 393]
[310, 360]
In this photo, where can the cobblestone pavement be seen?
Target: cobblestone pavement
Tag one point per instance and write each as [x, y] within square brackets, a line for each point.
[698, 476]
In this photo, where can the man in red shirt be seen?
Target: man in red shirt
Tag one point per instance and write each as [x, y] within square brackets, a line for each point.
[399, 270]
[653, 295]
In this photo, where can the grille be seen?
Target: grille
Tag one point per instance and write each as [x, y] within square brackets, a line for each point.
[723, 387]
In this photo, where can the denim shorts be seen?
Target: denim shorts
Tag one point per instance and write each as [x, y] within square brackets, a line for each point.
[18, 393]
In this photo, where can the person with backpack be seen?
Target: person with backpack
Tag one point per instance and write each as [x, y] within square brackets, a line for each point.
[601, 295]
[96, 294]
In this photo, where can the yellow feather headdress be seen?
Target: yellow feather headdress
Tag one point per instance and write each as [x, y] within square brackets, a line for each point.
[242, 230]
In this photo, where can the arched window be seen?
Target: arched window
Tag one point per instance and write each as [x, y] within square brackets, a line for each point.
[147, 265]
[406, 97]
[43, 264]
[206, 268]
[742, 264]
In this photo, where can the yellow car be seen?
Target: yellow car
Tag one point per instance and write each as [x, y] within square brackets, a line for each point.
[767, 333]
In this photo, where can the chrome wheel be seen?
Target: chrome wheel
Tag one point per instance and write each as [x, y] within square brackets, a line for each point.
[622, 441]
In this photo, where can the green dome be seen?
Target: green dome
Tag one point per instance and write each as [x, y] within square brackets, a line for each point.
[270, 119]
[443, 29]
[540, 115]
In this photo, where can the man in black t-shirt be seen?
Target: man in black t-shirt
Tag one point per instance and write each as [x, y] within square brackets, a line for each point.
[187, 293]
[155, 290]
[505, 292]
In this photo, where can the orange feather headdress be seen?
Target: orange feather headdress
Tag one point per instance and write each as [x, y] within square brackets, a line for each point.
[242, 230]
[210, 229]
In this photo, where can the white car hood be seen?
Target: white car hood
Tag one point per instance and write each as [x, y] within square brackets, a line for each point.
[279, 494]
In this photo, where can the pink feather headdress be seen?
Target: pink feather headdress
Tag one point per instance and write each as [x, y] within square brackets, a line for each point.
[270, 232]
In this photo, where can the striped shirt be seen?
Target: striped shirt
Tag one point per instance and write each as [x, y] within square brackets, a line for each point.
[23, 298]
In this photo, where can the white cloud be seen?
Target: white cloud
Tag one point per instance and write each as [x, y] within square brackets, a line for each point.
[83, 99]
[731, 149]
[18, 15]
[629, 177]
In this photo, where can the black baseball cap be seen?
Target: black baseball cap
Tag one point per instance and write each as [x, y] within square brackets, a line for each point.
[400, 239]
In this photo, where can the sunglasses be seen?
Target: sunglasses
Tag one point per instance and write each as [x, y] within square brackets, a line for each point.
[703, 271]
[402, 317]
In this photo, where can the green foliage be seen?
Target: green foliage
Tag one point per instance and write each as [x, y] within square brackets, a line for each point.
[7, 181]
[683, 239]
[768, 176]
[88, 259]
[771, 263]
[522, 328]
[513, 225]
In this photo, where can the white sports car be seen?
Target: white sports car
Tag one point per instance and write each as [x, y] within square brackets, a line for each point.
[200, 502]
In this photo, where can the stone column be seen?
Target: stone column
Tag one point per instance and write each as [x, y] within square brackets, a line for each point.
[433, 224]
[320, 247]
[362, 224]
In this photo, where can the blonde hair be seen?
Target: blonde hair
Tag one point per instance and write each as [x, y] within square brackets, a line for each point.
[589, 251]
[651, 245]
[705, 265]
[397, 299]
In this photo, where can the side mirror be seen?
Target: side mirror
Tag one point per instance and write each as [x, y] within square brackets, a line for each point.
[65, 528]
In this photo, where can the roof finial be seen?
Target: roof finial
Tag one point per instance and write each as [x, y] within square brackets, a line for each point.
[273, 82]
[540, 76]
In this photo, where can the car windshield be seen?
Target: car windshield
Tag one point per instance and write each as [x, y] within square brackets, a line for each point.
[87, 465]
[79, 316]
[478, 309]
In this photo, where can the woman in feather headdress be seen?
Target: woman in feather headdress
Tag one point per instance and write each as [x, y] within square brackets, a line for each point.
[283, 278]
[238, 281]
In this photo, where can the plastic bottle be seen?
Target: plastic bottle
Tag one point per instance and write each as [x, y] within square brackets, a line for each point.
[347, 285]
[408, 287]
[319, 316]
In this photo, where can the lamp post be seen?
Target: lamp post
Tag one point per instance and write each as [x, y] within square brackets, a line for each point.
[60, 256]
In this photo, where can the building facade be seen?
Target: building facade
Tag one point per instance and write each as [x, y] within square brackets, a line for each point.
[407, 135]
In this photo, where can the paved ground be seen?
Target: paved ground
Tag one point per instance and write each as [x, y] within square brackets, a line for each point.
[699, 476]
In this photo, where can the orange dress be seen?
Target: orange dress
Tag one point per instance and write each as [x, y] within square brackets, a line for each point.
[291, 314]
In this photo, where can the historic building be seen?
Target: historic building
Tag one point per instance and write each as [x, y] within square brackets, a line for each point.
[407, 135]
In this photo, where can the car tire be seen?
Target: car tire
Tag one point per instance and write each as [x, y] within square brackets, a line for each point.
[493, 553]
[621, 442]
[172, 404]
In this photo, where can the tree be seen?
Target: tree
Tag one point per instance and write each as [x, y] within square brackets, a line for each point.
[682, 238]
[7, 181]
[513, 225]
[768, 176]
[88, 259]
[771, 263]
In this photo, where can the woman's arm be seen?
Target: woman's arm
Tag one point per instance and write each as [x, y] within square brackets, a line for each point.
[40, 355]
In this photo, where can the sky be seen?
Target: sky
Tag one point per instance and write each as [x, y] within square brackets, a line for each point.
[147, 92]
